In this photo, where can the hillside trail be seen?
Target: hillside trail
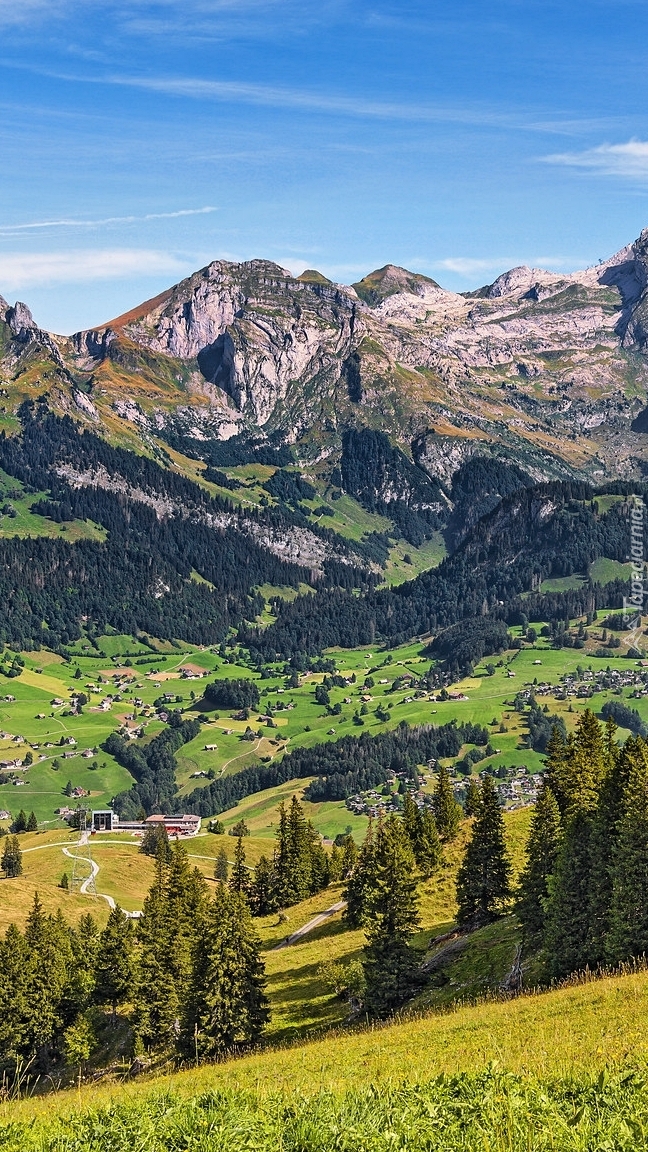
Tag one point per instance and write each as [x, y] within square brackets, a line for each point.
[321, 918]
[94, 870]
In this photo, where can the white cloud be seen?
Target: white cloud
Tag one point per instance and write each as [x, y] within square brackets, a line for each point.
[628, 160]
[11, 229]
[466, 266]
[37, 269]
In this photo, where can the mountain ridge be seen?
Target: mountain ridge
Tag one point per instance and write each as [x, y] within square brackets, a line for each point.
[544, 369]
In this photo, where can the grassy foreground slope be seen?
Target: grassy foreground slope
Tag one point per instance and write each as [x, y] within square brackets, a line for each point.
[428, 1083]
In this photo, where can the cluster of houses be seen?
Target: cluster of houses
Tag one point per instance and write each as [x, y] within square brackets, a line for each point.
[584, 683]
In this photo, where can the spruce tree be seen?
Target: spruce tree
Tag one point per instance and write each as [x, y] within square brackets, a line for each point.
[541, 852]
[20, 823]
[263, 899]
[349, 857]
[114, 961]
[335, 864]
[567, 923]
[411, 818]
[168, 931]
[239, 881]
[628, 920]
[221, 868]
[226, 1007]
[390, 964]
[427, 848]
[12, 857]
[360, 882]
[483, 880]
[471, 802]
[447, 812]
[32, 823]
[605, 834]
[15, 1007]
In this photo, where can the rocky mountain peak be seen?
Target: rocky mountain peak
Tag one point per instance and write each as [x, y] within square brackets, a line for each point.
[20, 321]
[390, 280]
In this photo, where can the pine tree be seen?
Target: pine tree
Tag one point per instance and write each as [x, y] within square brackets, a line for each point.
[15, 1010]
[483, 881]
[411, 818]
[49, 959]
[360, 882]
[567, 923]
[447, 812]
[225, 1007]
[240, 879]
[605, 834]
[427, 848]
[541, 852]
[20, 823]
[263, 898]
[114, 961]
[32, 823]
[221, 868]
[628, 920]
[390, 964]
[168, 931]
[335, 864]
[471, 803]
[559, 751]
[570, 936]
[12, 857]
[349, 857]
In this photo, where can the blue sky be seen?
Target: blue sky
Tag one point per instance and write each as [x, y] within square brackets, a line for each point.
[142, 140]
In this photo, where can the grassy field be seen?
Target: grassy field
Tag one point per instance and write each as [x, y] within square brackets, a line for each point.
[564, 1070]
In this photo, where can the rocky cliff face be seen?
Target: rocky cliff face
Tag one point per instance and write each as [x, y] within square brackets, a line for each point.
[550, 370]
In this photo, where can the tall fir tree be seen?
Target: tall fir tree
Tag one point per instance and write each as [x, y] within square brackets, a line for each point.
[471, 802]
[361, 881]
[447, 812]
[349, 857]
[627, 934]
[263, 894]
[221, 868]
[226, 1007]
[239, 880]
[541, 853]
[390, 963]
[168, 931]
[484, 878]
[114, 968]
[605, 832]
[428, 852]
[12, 857]
[567, 924]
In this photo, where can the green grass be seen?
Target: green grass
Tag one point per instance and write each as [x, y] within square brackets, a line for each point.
[604, 571]
[489, 1109]
[553, 1071]
[428, 555]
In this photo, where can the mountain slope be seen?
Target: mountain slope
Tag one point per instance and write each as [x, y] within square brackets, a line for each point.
[544, 368]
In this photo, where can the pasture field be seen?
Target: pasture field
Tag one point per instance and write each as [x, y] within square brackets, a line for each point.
[40, 714]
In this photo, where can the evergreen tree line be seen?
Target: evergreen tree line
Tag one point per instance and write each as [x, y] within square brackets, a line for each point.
[154, 767]
[342, 767]
[584, 888]
[299, 867]
[507, 553]
[188, 972]
[382, 895]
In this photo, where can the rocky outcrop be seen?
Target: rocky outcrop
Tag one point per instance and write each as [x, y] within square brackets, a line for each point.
[547, 368]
